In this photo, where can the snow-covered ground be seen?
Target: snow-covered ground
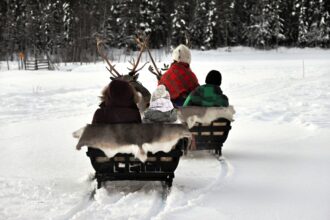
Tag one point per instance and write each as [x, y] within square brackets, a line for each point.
[276, 161]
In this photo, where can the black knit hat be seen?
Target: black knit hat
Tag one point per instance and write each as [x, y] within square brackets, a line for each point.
[214, 78]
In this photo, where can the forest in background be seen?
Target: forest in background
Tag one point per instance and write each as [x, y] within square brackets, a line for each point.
[66, 29]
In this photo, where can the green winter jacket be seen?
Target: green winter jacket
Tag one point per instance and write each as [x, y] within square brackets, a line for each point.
[207, 95]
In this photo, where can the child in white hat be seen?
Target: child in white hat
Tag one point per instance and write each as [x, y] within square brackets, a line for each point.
[161, 108]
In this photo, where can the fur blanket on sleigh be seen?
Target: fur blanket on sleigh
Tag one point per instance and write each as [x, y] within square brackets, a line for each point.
[205, 115]
[137, 139]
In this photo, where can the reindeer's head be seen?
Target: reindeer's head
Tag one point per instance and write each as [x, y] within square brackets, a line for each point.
[131, 77]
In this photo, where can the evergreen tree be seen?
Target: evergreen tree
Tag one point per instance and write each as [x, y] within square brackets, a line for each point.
[302, 22]
[14, 27]
[224, 22]
[259, 31]
[67, 23]
[209, 38]
[325, 26]
[204, 27]
[111, 27]
[180, 22]
[289, 14]
[53, 25]
[266, 27]
[242, 10]
[3, 12]
[128, 22]
[276, 22]
[36, 27]
[317, 18]
[154, 22]
[198, 24]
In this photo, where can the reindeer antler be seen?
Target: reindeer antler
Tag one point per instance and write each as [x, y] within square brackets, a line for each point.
[151, 69]
[111, 68]
[158, 73]
[134, 70]
[134, 64]
[166, 66]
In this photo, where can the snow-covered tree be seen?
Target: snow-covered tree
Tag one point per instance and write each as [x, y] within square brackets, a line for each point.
[209, 38]
[35, 26]
[67, 22]
[224, 22]
[258, 32]
[198, 25]
[14, 26]
[128, 22]
[154, 21]
[266, 25]
[205, 24]
[302, 22]
[180, 22]
[241, 20]
[276, 21]
[325, 28]
[3, 8]
[317, 17]
[290, 22]
[53, 25]
[111, 27]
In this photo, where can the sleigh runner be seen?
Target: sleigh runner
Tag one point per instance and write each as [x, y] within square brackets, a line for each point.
[147, 152]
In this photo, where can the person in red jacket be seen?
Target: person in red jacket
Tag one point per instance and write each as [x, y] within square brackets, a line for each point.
[179, 79]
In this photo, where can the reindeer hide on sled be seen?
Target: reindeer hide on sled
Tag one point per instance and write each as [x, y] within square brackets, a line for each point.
[205, 115]
[137, 139]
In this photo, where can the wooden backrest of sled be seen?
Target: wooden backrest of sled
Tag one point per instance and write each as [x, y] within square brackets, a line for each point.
[131, 159]
[208, 136]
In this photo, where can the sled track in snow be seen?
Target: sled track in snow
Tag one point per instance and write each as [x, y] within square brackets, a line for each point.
[227, 170]
[89, 199]
[159, 208]
[224, 175]
[160, 205]
[86, 201]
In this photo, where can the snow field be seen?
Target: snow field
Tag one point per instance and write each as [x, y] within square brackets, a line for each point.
[276, 159]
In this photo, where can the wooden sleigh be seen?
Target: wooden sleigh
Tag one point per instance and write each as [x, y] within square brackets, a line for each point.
[211, 136]
[209, 126]
[158, 165]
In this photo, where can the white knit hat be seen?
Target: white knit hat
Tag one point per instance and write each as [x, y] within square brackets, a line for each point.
[182, 54]
[160, 100]
[160, 92]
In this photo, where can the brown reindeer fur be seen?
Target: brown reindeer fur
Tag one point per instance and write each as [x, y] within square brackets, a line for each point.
[137, 139]
[205, 115]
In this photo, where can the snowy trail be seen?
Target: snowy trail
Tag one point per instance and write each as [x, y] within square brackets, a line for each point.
[224, 172]
[82, 205]
[148, 199]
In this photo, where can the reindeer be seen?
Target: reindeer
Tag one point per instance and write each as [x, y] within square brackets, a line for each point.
[132, 77]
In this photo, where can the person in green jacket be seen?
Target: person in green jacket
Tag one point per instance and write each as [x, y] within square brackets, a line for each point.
[209, 94]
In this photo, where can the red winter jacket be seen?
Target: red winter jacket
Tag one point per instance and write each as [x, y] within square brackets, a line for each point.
[179, 80]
